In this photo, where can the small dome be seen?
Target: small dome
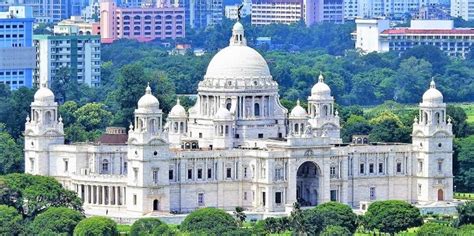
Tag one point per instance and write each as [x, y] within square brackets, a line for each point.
[178, 110]
[223, 114]
[298, 111]
[238, 27]
[432, 95]
[44, 94]
[321, 89]
[148, 101]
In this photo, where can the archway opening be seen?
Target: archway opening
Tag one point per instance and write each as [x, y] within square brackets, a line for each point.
[156, 205]
[307, 184]
[440, 195]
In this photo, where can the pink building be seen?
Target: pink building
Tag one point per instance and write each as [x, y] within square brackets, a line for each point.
[165, 21]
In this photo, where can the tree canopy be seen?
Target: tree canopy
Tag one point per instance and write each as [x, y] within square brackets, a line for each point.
[56, 220]
[10, 221]
[392, 216]
[209, 221]
[96, 226]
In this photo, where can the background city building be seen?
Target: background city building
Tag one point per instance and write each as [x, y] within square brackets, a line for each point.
[375, 35]
[17, 54]
[141, 23]
[45, 11]
[463, 9]
[231, 10]
[66, 50]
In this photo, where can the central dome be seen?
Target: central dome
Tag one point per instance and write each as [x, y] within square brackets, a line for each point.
[237, 61]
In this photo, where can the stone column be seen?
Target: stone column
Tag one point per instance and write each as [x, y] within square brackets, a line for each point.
[103, 195]
[252, 106]
[117, 196]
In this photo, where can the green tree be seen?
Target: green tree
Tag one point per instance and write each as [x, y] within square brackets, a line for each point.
[466, 213]
[335, 230]
[32, 194]
[297, 219]
[463, 164]
[458, 119]
[67, 111]
[64, 86]
[353, 126]
[413, 77]
[145, 226]
[239, 215]
[387, 127]
[11, 155]
[392, 216]
[433, 229]
[313, 222]
[337, 214]
[10, 221]
[96, 226]
[429, 53]
[93, 116]
[209, 221]
[17, 108]
[56, 220]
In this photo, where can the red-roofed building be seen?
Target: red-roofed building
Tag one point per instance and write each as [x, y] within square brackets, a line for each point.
[375, 35]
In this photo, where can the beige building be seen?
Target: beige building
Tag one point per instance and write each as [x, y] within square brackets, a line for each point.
[238, 146]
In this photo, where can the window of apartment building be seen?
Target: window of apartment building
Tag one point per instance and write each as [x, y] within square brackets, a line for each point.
[155, 176]
[229, 173]
[361, 168]
[278, 197]
[209, 173]
[199, 174]
[372, 193]
[371, 168]
[190, 173]
[170, 174]
[201, 199]
[399, 167]
[380, 167]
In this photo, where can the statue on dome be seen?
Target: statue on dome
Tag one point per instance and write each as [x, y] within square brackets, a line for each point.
[238, 12]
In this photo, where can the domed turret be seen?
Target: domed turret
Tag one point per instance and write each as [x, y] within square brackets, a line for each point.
[223, 114]
[321, 89]
[178, 111]
[432, 95]
[298, 111]
[44, 95]
[148, 101]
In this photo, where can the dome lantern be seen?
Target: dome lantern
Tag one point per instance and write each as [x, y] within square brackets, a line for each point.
[321, 90]
[298, 111]
[432, 95]
[178, 110]
[148, 101]
[44, 94]
[238, 37]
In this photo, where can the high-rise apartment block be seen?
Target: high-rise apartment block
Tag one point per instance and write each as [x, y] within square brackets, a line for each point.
[66, 50]
[463, 9]
[141, 23]
[45, 11]
[17, 54]
[290, 11]
[203, 13]
[231, 11]
[393, 9]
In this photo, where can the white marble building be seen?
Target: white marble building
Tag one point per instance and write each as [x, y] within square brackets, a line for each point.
[238, 146]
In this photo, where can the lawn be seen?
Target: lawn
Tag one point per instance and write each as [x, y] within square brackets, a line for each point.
[465, 196]
[469, 108]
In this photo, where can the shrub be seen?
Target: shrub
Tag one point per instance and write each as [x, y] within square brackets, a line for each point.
[96, 225]
[209, 221]
[433, 229]
[392, 216]
[10, 221]
[466, 213]
[145, 226]
[335, 230]
[56, 220]
[337, 214]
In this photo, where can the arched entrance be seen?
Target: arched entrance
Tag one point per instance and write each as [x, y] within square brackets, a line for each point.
[307, 184]
[440, 195]
[156, 205]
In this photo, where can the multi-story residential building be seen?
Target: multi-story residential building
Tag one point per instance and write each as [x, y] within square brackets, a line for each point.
[45, 11]
[17, 53]
[393, 9]
[66, 50]
[141, 23]
[238, 146]
[290, 11]
[202, 13]
[463, 9]
[375, 35]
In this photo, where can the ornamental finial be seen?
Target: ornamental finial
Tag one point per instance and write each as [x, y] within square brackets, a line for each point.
[321, 77]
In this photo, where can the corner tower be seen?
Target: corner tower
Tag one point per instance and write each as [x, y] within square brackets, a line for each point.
[43, 129]
[432, 145]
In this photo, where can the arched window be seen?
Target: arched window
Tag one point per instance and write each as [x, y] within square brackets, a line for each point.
[80, 32]
[147, 28]
[297, 128]
[137, 17]
[440, 195]
[157, 27]
[158, 17]
[48, 118]
[228, 102]
[181, 127]
[136, 28]
[256, 108]
[156, 205]
[147, 17]
[126, 28]
[437, 118]
[151, 126]
[425, 118]
[175, 127]
[168, 17]
[325, 110]
[179, 17]
[126, 17]
[168, 27]
[105, 166]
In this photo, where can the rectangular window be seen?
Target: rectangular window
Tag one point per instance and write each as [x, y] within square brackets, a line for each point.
[264, 198]
[332, 171]
[372, 193]
[260, 135]
[170, 174]
[333, 194]
[200, 135]
[420, 166]
[135, 174]
[199, 173]
[419, 189]
[155, 176]
[440, 166]
[380, 167]
[399, 167]
[201, 199]
[190, 173]
[361, 168]
[278, 197]
[66, 165]
[134, 199]
[371, 168]
[229, 173]
[209, 173]
[245, 195]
